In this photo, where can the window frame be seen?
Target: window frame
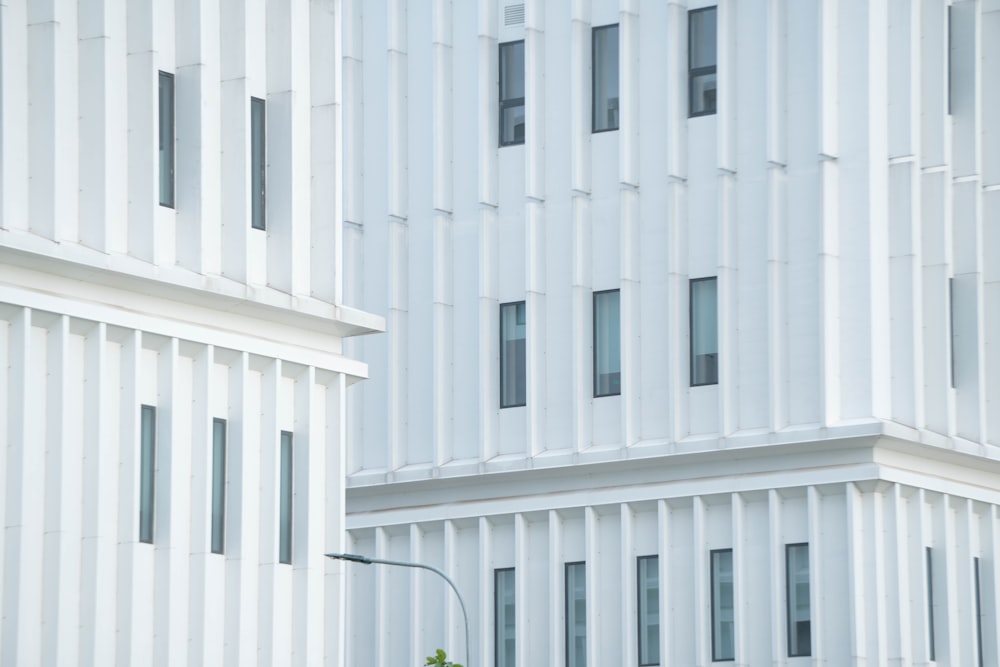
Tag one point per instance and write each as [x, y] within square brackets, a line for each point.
[929, 571]
[566, 601]
[166, 139]
[497, 572]
[691, 331]
[508, 103]
[220, 477]
[655, 560]
[286, 497]
[979, 610]
[147, 473]
[788, 599]
[711, 572]
[258, 163]
[594, 340]
[524, 368]
[695, 72]
[593, 78]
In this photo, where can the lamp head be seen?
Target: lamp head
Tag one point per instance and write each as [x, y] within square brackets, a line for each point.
[354, 558]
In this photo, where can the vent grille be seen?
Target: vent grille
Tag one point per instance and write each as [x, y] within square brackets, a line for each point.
[513, 14]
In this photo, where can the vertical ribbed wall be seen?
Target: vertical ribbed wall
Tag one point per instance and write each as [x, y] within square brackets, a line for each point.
[79, 136]
[832, 194]
[77, 586]
[856, 533]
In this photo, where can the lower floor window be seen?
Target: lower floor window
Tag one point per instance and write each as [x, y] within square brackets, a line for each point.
[797, 585]
[576, 615]
[723, 607]
[649, 610]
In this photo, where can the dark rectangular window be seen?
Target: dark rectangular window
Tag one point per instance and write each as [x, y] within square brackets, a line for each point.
[604, 75]
[701, 61]
[704, 332]
[930, 603]
[950, 45]
[505, 630]
[218, 486]
[512, 93]
[166, 120]
[607, 344]
[147, 472]
[258, 163]
[576, 615]
[285, 501]
[648, 580]
[513, 389]
[723, 606]
[979, 612]
[797, 594]
[951, 330]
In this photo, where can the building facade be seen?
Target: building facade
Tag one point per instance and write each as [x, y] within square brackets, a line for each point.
[172, 371]
[693, 330]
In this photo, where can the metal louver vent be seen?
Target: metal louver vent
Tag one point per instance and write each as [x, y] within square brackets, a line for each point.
[513, 14]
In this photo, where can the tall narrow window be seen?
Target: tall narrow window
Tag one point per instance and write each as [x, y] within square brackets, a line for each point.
[258, 162]
[723, 607]
[512, 93]
[218, 486]
[166, 104]
[648, 575]
[979, 612]
[797, 592]
[928, 561]
[576, 615]
[704, 332]
[951, 329]
[950, 45]
[147, 472]
[607, 344]
[503, 582]
[513, 390]
[285, 501]
[605, 78]
[701, 61]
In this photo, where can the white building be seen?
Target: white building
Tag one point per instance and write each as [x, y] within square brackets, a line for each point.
[807, 444]
[172, 379]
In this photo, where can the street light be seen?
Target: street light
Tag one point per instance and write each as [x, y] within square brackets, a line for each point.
[365, 560]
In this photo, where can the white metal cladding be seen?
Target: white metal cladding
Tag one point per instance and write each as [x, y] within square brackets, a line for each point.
[868, 593]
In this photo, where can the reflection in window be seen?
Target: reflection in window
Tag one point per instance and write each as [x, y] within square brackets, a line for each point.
[701, 61]
[723, 607]
[513, 390]
[147, 472]
[166, 113]
[258, 163]
[503, 581]
[649, 610]
[704, 332]
[797, 585]
[607, 344]
[605, 78]
[512, 93]
[285, 500]
[576, 615]
[218, 486]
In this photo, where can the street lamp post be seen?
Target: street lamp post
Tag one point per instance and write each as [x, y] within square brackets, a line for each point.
[365, 560]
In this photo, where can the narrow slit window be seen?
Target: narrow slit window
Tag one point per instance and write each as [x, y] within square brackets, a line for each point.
[576, 615]
[285, 500]
[704, 332]
[505, 629]
[702, 55]
[648, 575]
[604, 75]
[979, 612]
[166, 132]
[513, 385]
[951, 330]
[723, 606]
[258, 163]
[929, 566]
[797, 594]
[147, 472]
[218, 486]
[607, 344]
[512, 93]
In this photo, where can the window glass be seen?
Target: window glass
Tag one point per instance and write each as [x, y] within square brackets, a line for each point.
[704, 332]
[930, 603]
[258, 163]
[979, 612]
[505, 628]
[147, 472]
[218, 486]
[512, 93]
[649, 610]
[607, 344]
[166, 104]
[797, 584]
[576, 615]
[285, 501]
[605, 78]
[701, 61]
[723, 614]
[513, 390]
